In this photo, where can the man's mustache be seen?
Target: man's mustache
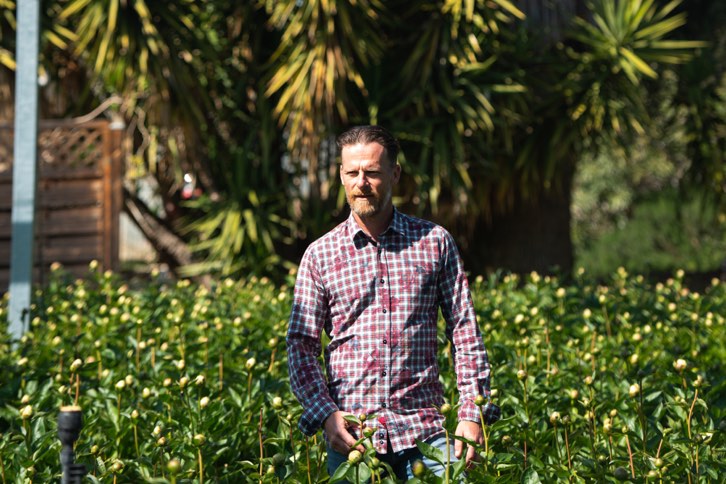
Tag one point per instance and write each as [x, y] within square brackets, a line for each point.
[359, 193]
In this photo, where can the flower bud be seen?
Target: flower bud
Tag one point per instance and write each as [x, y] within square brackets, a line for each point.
[26, 412]
[445, 409]
[25, 400]
[120, 385]
[521, 375]
[117, 467]
[355, 456]
[203, 402]
[250, 363]
[554, 418]
[634, 390]
[479, 400]
[77, 363]
[134, 414]
[199, 439]
[680, 365]
[607, 426]
[145, 393]
[199, 380]
[183, 382]
[161, 441]
[276, 402]
[173, 466]
[180, 365]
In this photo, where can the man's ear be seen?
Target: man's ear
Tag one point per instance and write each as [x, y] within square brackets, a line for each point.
[396, 173]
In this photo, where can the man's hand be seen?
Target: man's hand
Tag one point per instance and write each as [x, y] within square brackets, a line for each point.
[336, 428]
[468, 430]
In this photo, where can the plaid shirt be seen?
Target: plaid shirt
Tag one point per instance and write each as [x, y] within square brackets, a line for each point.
[378, 303]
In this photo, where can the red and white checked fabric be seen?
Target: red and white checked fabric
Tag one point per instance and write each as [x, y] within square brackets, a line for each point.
[378, 303]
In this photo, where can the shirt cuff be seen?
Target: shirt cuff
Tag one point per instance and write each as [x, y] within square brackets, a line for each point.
[313, 416]
[469, 411]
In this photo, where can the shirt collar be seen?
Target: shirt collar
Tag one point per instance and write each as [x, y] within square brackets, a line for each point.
[355, 231]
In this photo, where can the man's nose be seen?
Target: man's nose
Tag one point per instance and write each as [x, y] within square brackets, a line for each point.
[361, 180]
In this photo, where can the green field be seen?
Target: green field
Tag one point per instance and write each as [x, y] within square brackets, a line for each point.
[182, 383]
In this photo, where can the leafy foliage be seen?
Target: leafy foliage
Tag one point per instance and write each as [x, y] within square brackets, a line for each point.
[178, 381]
[492, 104]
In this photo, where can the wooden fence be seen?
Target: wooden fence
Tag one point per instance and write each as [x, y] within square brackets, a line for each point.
[78, 198]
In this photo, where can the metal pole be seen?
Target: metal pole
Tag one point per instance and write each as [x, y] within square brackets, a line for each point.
[70, 422]
[25, 165]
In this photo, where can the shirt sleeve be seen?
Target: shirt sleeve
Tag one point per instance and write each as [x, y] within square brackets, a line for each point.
[307, 319]
[471, 361]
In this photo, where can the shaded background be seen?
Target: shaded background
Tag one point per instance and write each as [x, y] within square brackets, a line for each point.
[544, 135]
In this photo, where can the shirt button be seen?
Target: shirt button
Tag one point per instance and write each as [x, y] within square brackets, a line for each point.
[385, 341]
[384, 373]
[383, 405]
[384, 311]
[383, 280]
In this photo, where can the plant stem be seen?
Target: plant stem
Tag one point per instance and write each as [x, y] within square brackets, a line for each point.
[138, 339]
[567, 447]
[136, 442]
[630, 456]
[690, 440]
[259, 437]
[641, 414]
[201, 465]
[78, 389]
[272, 360]
[307, 458]
[486, 439]
[100, 364]
[221, 370]
[448, 456]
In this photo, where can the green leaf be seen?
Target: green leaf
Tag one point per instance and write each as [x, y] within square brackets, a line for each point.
[431, 452]
[341, 472]
[530, 476]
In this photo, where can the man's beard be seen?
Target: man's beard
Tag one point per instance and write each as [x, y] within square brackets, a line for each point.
[368, 207]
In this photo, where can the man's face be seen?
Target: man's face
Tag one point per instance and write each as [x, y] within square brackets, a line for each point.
[368, 178]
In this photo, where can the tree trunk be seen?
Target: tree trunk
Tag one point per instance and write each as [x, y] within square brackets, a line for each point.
[534, 235]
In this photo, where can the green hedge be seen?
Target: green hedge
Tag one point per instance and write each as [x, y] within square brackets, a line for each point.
[178, 382]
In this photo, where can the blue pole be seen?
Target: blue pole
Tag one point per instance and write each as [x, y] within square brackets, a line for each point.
[25, 165]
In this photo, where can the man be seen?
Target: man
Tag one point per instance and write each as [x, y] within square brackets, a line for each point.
[375, 284]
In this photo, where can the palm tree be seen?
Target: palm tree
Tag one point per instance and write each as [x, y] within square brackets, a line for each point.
[494, 103]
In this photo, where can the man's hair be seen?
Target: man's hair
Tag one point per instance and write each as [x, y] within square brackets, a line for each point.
[370, 134]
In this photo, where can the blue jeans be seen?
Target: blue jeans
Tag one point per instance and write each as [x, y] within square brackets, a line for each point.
[401, 462]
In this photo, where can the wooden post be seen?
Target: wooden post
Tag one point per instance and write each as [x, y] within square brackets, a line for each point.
[25, 165]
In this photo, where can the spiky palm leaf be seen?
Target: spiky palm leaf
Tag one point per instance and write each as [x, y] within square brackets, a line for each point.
[323, 48]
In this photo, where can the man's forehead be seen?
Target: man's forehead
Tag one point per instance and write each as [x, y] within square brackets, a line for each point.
[367, 153]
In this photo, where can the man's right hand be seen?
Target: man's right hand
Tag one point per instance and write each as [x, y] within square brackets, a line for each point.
[336, 428]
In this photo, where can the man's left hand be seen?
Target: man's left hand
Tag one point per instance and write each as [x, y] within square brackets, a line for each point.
[471, 431]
